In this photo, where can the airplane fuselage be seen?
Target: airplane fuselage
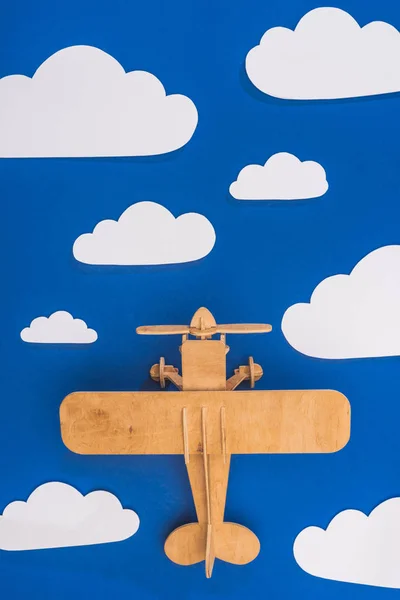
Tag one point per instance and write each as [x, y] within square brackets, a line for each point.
[204, 369]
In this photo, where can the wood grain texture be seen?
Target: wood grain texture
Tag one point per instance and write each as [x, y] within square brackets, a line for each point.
[255, 422]
[203, 365]
[218, 473]
[232, 543]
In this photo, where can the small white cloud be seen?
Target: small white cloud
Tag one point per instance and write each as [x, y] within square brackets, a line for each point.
[327, 56]
[59, 328]
[81, 102]
[355, 548]
[56, 515]
[351, 316]
[146, 234]
[283, 177]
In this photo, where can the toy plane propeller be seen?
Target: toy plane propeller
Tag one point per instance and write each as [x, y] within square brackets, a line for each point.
[203, 325]
[206, 422]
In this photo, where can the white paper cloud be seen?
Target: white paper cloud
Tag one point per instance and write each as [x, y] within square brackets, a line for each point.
[81, 102]
[59, 328]
[328, 55]
[283, 177]
[355, 548]
[56, 515]
[351, 316]
[146, 234]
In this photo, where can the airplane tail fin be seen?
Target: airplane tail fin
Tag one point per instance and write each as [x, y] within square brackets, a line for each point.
[230, 542]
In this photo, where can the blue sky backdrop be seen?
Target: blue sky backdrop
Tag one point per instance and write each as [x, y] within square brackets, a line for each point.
[268, 255]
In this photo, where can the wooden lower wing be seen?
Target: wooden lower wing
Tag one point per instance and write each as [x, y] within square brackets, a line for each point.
[285, 422]
[256, 422]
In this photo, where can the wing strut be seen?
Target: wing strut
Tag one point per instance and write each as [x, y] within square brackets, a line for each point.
[223, 433]
[210, 556]
[185, 435]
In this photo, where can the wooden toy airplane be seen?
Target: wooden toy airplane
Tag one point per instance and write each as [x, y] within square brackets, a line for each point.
[206, 422]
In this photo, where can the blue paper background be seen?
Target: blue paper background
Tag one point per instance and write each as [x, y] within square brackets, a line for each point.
[267, 257]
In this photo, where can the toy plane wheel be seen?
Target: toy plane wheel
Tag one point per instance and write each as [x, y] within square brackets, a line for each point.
[161, 375]
[157, 372]
[251, 372]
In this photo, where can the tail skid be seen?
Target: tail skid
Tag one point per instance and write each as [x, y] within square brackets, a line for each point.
[210, 554]
[197, 542]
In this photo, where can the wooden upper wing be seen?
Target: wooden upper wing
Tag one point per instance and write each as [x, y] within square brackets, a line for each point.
[275, 422]
[286, 422]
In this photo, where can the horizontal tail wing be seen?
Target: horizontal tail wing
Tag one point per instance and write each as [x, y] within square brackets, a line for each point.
[186, 545]
[235, 544]
[231, 542]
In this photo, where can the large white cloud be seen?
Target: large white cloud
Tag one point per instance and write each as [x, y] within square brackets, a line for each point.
[355, 548]
[328, 55]
[59, 328]
[56, 515]
[146, 234]
[351, 316]
[283, 177]
[81, 102]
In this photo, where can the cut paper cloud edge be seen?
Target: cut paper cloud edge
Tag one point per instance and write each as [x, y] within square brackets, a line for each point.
[146, 234]
[355, 548]
[282, 177]
[327, 56]
[58, 328]
[56, 515]
[81, 102]
[351, 316]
